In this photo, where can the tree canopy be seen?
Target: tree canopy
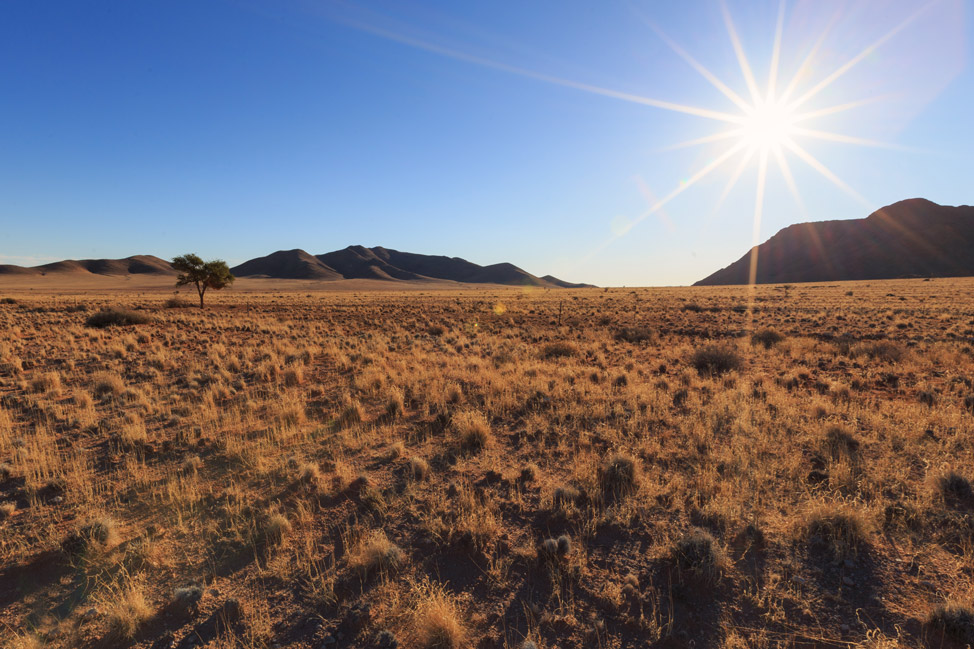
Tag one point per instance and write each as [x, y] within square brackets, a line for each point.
[192, 269]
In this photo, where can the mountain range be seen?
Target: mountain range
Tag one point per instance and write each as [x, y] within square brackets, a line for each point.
[911, 238]
[353, 262]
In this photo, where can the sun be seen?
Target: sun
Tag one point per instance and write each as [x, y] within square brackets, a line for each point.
[768, 125]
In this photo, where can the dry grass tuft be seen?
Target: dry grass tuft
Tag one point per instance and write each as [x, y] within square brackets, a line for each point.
[842, 531]
[955, 621]
[768, 338]
[471, 430]
[127, 611]
[374, 552]
[116, 318]
[715, 360]
[436, 619]
[617, 477]
[698, 554]
[418, 468]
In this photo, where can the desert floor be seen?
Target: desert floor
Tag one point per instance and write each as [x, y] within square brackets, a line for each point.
[299, 466]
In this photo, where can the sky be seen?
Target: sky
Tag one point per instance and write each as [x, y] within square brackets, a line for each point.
[545, 133]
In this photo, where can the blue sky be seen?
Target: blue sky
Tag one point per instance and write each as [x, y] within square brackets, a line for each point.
[491, 131]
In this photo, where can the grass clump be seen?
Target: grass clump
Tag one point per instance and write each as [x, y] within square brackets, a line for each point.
[617, 477]
[698, 555]
[472, 430]
[375, 552]
[841, 531]
[840, 443]
[767, 338]
[127, 610]
[955, 621]
[95, 536]
[882, 350]
[636, 334]
[418, 468]
[715, 360]
[559, 350]
[436, 619]
[276, 528]
[952, 486]
[116, 318]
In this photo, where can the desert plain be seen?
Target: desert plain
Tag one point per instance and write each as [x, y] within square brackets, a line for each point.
[325, 465]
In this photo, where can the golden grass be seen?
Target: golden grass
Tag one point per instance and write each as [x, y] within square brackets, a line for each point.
[717, 467]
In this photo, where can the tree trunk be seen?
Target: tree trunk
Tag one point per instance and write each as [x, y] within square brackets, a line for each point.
[201, 290]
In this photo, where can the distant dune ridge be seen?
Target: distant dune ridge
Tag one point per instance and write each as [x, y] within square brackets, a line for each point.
[136, 265]
[353, 262]
[911, 238]
[359, 262]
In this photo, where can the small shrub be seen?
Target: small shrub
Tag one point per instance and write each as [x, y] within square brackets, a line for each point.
[7, 510]
[617, 477]
[715, 360]
[127, 611]
[635, 334]
[559, 350]
[841, 531]
[436, 620]
[394, 404]
[352, 414]
[8, 300]
[882, 350]
[418, 468]
[698, 554]
[47, 382]
[472, 430]
[97, 535]
[187, 597]
[176, 303]
[375, 552]
[766, 337]
[293, 376]
[105, 384]
[840, 443]
[955, 621]
[436, 330]
[276, 528]
[116, 318]
[565, 495]
[953, 486]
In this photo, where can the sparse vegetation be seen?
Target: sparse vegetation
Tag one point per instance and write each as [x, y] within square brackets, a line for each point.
[715, 359]
[116, 317]
[294, 456]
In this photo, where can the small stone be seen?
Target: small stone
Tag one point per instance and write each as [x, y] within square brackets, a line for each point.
[91, 613]
[849, 563]
[848, 581]
[797, 580]
[57, 500]
[845, 628]
[328, 641]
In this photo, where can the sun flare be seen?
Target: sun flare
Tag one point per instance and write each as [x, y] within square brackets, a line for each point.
[768, 125]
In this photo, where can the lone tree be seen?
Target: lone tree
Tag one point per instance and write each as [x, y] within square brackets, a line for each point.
[204, 274]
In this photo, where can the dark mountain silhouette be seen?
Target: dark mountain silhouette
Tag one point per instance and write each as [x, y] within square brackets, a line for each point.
[551, 279]
[353, 262]
[287, 264]
[137, 265]
[359, 262]
[911, 238]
